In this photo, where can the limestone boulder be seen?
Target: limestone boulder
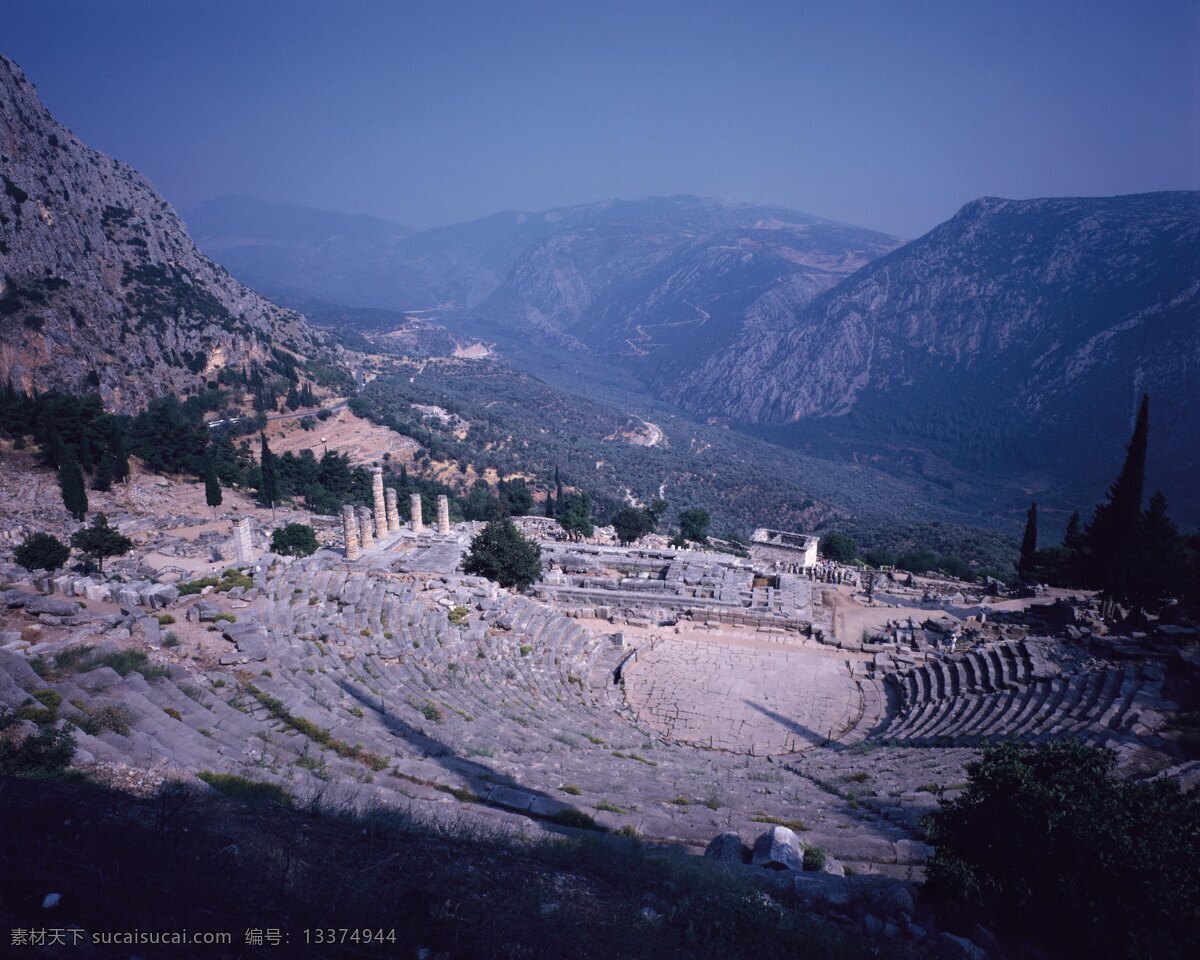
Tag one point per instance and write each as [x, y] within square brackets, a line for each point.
[728, 848]
[779, 849]
[51, 606]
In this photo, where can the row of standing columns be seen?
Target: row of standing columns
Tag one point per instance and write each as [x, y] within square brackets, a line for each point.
[362, 528]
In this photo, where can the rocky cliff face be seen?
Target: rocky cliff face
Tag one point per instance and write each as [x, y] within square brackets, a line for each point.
[1031, 327]
[100, 286]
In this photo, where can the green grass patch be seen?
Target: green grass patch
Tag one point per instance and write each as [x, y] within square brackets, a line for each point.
[314, 732]
[797, 825]
[244, 789]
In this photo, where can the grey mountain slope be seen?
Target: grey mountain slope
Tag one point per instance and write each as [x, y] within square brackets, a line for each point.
[102, 288]
[1027, 328]
[660, 295]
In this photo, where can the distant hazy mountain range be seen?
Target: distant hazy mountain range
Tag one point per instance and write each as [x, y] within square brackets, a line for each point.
[100, 287]
[1015, 338]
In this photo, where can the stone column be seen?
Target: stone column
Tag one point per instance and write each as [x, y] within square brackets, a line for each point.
[366, 528]
[350, 532]
[393, 509]
[418, 520]
[381, 524]
[443, 515]
[243, 544]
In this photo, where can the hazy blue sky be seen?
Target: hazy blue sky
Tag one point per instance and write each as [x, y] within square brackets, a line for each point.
[889, 115]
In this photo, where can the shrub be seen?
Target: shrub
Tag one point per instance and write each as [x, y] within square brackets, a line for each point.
[46, 753]
[1049, 843]
[124, 662]
[113, 717]
[814, 858]
[576, 818]
[41, 551]
[192, 587]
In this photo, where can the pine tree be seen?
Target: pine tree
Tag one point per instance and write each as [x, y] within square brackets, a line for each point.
[212, 486]
[269, 489]
[70, 481]
[1114, 527]
[403, 479]
[293, 398]
[1028, 561]
[549, 511]
[100, 541]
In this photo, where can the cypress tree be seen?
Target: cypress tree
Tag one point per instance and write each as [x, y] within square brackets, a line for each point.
[212, 486]
[70, 481]
[270, 476]
[293, 398]
[119, 455]
[1115, 525]
[1028, 561]
[102, 480]
[270, 485]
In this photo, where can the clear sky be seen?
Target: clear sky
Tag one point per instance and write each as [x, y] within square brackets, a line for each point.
[886, 114]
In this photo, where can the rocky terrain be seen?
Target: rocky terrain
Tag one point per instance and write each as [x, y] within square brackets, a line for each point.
[101, 288]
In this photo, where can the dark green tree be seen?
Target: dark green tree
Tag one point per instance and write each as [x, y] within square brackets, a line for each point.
[574, 515]
[1049, 842]
[118, 455]
[693, 524]
[41, 551]
[293, 398]
[70, 482]
[212, 486]
[102, 479]
[515, 497]
[100, 541]
[504, 556]
[1027, 564]
[1114, 527]
[839, 547]
[294, 540]
[269, 488]
[631, 524]
[1158, 561]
